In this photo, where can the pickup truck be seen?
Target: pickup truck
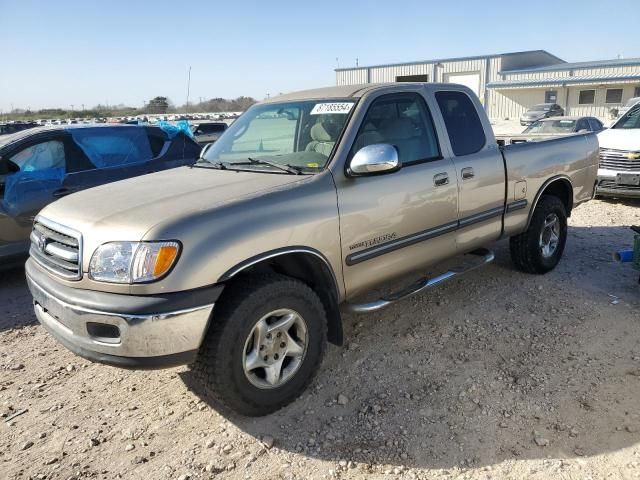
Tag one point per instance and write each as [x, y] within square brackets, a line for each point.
[242, 264]
[619, 172]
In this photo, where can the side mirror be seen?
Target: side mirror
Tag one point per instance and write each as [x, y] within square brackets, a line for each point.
[374, 159]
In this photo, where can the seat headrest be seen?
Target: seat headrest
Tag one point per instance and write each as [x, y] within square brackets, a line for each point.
[401, 128]
[320, 134]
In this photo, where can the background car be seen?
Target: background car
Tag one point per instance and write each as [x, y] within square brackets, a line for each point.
[619, 169]
[564, 125]
[543, 110]
[208, 132]
[40, 165]
[552, 127]
[13, 127]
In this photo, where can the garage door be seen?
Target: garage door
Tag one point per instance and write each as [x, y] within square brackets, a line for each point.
[471, 80]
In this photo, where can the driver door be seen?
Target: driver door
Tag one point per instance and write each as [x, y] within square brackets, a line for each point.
[26, 192]
[402, 221]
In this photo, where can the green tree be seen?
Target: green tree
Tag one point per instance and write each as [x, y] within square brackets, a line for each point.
[158, 105]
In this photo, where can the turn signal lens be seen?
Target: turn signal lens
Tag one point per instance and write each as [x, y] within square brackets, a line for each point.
[164, 259]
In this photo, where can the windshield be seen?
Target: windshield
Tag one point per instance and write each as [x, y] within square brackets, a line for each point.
[551, 126]
[631, 119]
[297, 134]
[540, 108]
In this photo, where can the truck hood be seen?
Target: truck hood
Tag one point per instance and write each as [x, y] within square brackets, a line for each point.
[127, 209]
[620, 139]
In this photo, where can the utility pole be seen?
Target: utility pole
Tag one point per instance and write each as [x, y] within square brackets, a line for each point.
[188, 88]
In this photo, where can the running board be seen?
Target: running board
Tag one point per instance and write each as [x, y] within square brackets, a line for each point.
[482, 256]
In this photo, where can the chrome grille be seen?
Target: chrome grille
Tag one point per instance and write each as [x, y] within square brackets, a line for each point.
[57, 248]
[619, 160]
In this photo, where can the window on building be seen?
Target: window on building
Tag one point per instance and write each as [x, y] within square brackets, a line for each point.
[614, 95]
[551, 96]
[412, 78]
[587, 97]
[403, 121]
[465, 130]
[636, 92]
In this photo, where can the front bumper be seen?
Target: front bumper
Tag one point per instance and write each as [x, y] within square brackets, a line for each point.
[606, 185]
[140, 332]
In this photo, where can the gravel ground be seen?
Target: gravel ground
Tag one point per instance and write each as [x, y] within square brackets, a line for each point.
[498, 375]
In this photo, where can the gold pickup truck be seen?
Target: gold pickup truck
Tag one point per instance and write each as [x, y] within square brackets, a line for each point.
[241, 264]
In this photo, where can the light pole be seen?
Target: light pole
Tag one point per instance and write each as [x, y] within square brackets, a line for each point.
[188, 88]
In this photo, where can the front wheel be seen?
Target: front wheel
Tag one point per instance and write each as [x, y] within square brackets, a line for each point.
[266, 340]
[539, 249]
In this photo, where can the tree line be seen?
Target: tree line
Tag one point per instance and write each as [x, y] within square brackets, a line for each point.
[156, 105]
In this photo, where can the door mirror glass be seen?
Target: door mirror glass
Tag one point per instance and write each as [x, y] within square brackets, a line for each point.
[375, 159]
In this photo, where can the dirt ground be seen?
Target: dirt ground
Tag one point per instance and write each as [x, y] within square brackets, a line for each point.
[497, 375]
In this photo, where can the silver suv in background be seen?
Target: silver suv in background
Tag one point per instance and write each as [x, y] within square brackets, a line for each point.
[538, 112]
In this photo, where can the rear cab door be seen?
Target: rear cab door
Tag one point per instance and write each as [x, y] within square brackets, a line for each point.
[479, 167]
[399, 222]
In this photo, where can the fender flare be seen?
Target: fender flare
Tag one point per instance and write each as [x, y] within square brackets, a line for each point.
[334, 317]
[562, 178]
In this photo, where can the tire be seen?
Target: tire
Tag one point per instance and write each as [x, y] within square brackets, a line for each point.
[527, 253]
[230, 345]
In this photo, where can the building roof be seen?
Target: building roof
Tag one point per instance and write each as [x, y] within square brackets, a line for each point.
[575, 80]
[455, 59]
[616, 62]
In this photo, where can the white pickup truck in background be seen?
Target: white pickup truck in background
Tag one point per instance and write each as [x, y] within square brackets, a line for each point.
[619, 169]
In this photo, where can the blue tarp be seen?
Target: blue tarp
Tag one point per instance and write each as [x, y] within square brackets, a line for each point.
[27, 191]
[113, 146]
[173, 130]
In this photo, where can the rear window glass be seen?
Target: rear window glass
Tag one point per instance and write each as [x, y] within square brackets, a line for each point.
[113, 146]
[464, 128]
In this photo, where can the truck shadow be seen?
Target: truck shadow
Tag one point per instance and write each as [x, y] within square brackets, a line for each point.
[15, 310]
[494, 366]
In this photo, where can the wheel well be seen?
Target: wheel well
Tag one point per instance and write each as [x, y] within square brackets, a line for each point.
[314, 272]
[561, 188]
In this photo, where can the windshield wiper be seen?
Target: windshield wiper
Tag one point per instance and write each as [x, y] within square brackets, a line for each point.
[210, 164]
[284, 167]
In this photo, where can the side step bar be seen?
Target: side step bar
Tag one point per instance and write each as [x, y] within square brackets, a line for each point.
[481, 256]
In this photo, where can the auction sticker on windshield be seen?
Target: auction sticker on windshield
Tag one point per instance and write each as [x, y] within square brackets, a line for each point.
[326, 108]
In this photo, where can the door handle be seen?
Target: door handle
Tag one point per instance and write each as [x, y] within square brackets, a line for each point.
[441, 179]
[467, 173]
[61, 192]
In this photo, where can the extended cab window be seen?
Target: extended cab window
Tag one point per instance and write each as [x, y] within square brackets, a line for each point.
[402, 121]
[465, 130]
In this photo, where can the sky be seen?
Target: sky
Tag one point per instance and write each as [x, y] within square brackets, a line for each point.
[59, 53]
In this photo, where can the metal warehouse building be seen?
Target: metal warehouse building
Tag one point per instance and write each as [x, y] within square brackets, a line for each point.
[509, 83]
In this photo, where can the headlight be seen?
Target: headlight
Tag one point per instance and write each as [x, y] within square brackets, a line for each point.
[132, 262]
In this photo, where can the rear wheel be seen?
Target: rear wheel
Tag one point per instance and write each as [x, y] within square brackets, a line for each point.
[539, 249]
[265, 343]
